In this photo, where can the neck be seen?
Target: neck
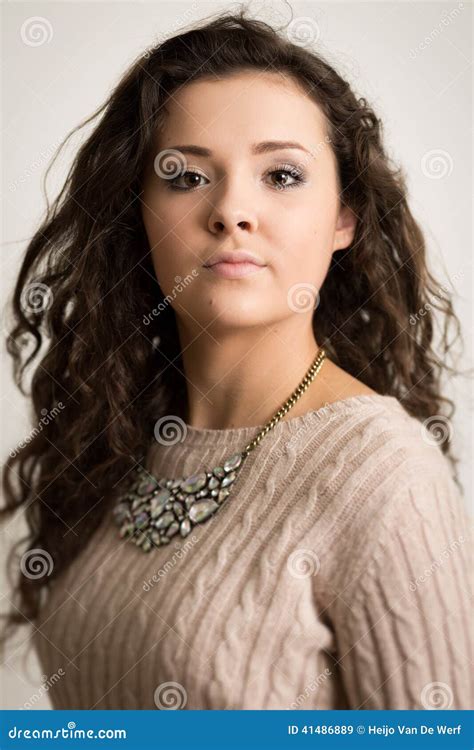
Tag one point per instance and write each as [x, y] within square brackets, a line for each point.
[241, 378]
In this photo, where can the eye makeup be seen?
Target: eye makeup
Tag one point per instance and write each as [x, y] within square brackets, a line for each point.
[290, 170]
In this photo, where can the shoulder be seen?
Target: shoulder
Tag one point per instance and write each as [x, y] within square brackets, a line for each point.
[377, 474]
[381, 494]
[367, 461]
[374, 433]
[364, 429]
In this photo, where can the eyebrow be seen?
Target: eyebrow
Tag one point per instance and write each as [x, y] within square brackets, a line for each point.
[257, 148]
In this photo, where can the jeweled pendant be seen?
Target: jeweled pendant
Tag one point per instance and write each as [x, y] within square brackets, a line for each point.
[152, 511]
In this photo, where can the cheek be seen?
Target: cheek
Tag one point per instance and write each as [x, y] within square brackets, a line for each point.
[305, 251]
[169, 226]
[303, 266]
[164, 244]
[167, 265]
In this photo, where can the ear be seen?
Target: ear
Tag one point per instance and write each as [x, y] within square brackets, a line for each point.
[345, 228]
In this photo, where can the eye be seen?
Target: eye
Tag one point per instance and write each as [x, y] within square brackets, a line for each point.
[173, 183]
[288, 170]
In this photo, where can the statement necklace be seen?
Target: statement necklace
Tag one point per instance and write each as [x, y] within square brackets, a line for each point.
[152, 511]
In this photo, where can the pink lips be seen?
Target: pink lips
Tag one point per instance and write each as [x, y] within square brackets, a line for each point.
[234, 270]
[234, 264]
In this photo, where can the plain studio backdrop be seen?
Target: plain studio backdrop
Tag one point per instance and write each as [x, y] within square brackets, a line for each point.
[411, 61]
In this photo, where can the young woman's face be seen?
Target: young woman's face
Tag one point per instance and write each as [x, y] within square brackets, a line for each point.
[281, 204]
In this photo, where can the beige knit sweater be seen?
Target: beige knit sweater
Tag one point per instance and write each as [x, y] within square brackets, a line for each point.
[336, 575]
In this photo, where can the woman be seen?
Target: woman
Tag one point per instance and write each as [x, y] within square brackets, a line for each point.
[239, 499]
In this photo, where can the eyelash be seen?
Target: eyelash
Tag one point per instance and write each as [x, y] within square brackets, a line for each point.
[290, 169]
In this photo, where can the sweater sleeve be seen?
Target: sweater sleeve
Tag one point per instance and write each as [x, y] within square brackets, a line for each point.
[402, 621]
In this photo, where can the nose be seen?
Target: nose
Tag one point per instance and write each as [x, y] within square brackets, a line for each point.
[230, 212]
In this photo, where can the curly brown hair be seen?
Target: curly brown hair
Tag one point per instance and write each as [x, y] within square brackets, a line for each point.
[87, 279]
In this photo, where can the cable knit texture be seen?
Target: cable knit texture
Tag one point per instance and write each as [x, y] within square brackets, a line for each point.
[335, 576]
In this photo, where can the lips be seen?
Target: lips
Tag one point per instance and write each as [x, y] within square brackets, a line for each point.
[234, 256]
[234, 270]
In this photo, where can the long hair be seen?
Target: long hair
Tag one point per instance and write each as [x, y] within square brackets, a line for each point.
[100, 380]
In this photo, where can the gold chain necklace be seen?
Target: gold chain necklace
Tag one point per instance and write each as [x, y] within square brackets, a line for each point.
[152, 511]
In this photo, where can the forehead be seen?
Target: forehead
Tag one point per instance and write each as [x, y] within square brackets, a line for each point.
[244, 108]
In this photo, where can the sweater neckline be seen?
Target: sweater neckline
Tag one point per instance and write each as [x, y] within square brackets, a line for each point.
[240, 436]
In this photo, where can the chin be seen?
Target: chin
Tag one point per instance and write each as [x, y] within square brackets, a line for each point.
[228, 312]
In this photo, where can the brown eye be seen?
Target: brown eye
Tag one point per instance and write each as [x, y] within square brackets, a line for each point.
[282, 174]
[191, 184]
[292, 177]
